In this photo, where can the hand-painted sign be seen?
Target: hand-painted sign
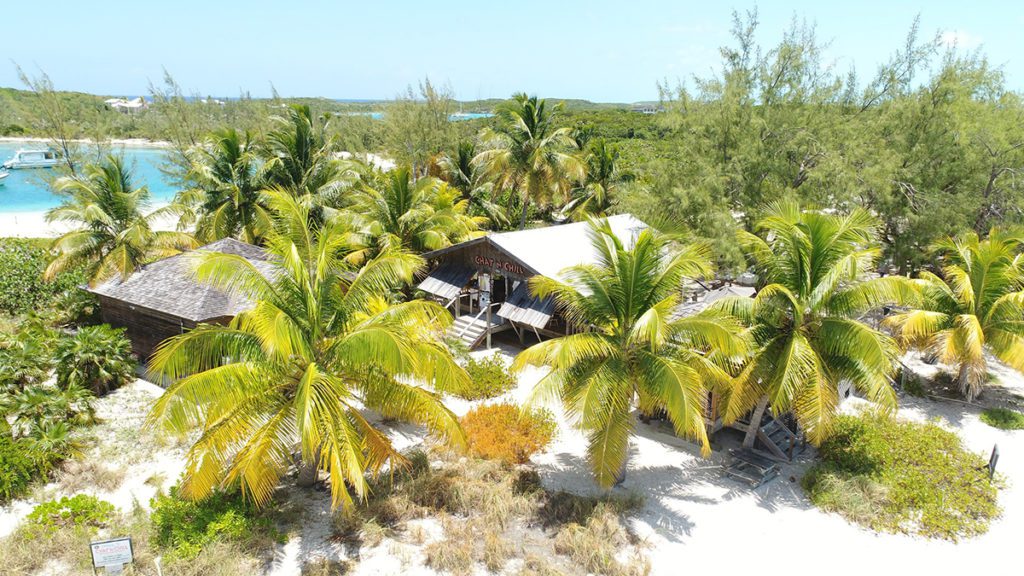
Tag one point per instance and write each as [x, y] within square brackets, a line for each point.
[500, 265]
[111, 553]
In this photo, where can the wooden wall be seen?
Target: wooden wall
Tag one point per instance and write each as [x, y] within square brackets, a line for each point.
[145, 328]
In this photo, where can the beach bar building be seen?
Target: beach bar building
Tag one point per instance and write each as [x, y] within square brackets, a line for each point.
[484, 281]
[164, 298]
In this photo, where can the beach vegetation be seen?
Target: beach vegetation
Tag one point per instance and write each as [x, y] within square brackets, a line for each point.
[1003, 418]
[111, 235]
[893, 475]
[97, 358]
[637, 348]
[813, 268]
[530, 156]
[974, 308]
[508, 433]
[79, 511]
[489, 378]
[286, 382]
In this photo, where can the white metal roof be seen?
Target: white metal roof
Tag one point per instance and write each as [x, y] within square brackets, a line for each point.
[551, 249]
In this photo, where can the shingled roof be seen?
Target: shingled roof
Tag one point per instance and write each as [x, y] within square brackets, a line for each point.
[170, 285]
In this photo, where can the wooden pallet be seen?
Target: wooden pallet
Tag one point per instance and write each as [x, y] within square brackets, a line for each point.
[751, 468]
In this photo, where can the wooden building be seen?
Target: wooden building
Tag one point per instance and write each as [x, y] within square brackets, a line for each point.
[164, 298]
[483, 281]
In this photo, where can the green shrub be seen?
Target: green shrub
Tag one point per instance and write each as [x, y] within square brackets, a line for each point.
[79, 511]
[97, 358]
[504, 432]
[16, 467]
[490, 378]
[26, 355]
[184, 527]
[1003, 418]
[22, 288]
[899, 476]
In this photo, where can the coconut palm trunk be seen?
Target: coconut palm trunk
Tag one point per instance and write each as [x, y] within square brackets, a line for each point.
[755, 423]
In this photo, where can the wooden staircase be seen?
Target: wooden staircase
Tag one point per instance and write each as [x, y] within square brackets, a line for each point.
[775, 439]
[471, 329]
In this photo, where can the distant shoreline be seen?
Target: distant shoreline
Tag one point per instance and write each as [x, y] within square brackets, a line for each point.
[129, 142]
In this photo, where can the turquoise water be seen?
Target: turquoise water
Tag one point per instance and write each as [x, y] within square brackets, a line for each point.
[454, 117]
[28, 190]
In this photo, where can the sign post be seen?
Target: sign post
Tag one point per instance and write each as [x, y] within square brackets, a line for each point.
[111, 555]
[485, 301]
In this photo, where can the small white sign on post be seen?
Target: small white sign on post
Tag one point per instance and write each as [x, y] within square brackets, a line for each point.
[112, 555]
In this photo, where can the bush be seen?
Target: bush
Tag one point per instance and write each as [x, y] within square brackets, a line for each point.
[79, 511]
[26, 355]
[504, 432]
[16, 467]
[898, 476]
[489, 377]
[1003, 418]
[596, 544]
[97, 358]
[184, 527]
[22, 288]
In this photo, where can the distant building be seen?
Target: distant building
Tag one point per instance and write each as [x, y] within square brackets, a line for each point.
[164, 298]
[127, 106]
[647, 108]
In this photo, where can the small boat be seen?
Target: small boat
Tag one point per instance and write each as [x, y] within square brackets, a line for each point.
[32, 159]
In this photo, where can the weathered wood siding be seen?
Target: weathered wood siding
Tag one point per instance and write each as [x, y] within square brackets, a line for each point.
[145, 328]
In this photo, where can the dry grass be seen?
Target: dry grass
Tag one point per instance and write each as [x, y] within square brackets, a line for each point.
[454, 552]
[536, 566]
[496, 551]
[66, 551]
[596, 545]
[79, 475]
[324, 567]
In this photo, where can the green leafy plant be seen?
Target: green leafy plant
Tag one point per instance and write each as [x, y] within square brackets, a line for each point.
[16, 467]
[898, 476]
[98, 358]
[1003, 418]
[25, 355]
[79, 511]
[504, 432]
[489, 377]
[184, 527]
[22, 288]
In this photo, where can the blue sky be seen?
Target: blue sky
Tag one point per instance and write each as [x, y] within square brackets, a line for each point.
[609, 51]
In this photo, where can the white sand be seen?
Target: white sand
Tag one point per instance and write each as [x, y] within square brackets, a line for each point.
[692, 517]
[130, 142]
[34, 224]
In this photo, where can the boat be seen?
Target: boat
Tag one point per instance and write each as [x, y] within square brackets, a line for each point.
[32, 159]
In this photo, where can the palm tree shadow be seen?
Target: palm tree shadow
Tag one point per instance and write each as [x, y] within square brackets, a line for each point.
[681, 479]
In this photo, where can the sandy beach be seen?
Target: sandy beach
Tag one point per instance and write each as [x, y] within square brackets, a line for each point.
[131, 142]
[34, 224]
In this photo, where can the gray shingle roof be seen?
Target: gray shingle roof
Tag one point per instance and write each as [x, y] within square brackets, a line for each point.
[170, 285]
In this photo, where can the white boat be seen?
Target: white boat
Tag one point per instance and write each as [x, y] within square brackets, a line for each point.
[32, 159]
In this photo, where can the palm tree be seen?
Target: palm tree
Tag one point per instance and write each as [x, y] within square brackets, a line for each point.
[529, 155]
[594, 196]
[637, 350]
[462, 173]
[227, 184]
[111, 235]
[419, 216]
[301, 159]
[293, 375]
[805, 321]
[976, 306]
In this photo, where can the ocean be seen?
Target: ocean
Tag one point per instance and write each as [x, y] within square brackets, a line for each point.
[30, 191]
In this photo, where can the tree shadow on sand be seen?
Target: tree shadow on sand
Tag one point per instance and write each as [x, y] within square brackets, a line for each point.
[681, 478]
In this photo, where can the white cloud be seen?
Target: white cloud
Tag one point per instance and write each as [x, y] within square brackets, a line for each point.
[959, 39]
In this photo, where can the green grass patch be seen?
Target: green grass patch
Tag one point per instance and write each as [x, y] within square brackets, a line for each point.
[897, 476]
[1003, 418]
